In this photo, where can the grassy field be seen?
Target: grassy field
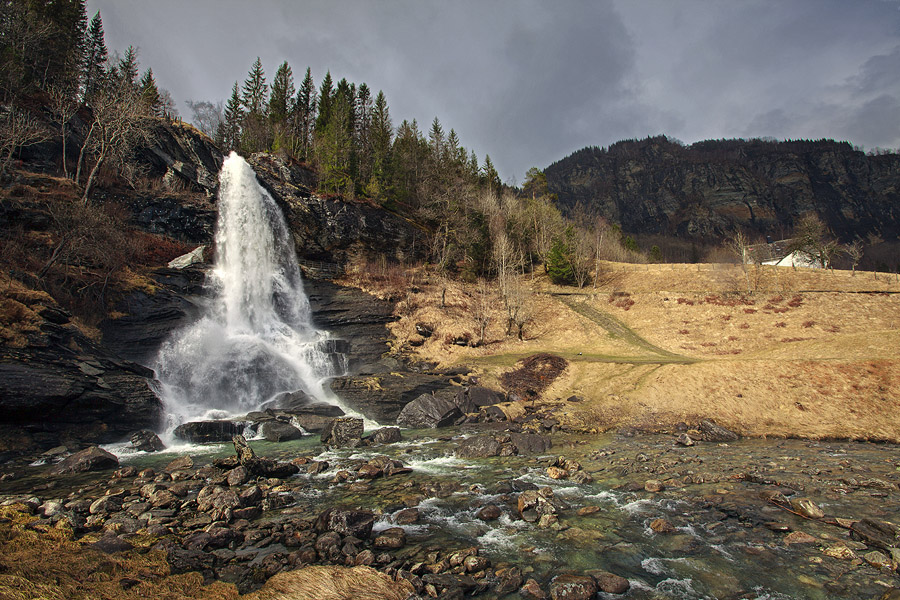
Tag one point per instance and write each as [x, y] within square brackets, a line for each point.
[806, 353]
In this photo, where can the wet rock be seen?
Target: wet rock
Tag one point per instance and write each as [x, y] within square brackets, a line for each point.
[386, 435]
[390, 539]
[429, 412]
[557, 473]
[369, 471]
[581, 477]
[662, 526]
[105, 505]
[203, 432]
[146, 441]
[710, 431]
[218, 501]
[532, 505]
[573, 587]
[181, 463]
[799, 537]
[346, 521]
[276, 431]
[878, 560]
[654, 486]
[89, 459]
[530, 443]
[407, 516]
[491, 512]
[876, 533]
[807, 508]
[261, 466]
[611, 583]
[588, 510]
[532, 591]
[343, 432]
[473, 564]
[237, 476]
[481, 446]
[684, 440]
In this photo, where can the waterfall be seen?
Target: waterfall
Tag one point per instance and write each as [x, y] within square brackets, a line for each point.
[255, 339]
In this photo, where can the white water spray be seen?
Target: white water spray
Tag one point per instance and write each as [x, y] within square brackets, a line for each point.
[255, 340]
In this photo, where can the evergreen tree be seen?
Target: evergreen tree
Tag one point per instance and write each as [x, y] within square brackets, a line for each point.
[127, 71]
[282, 94]
[326, 91]
[254, 131]
[489, 175]
[362, 136]
[304, 115]
[381, 131]
[150, 94]
[234, 118]
[95, 57]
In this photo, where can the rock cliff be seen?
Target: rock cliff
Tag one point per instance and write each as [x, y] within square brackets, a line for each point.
[704, 190]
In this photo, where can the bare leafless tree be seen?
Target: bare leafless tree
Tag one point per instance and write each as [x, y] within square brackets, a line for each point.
[482, 310]
[64, 104]
[18, 130]
[854, 251]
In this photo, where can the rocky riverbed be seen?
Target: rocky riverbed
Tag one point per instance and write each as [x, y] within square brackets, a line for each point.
[491, 512]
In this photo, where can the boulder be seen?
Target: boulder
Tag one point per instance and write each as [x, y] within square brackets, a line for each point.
[343, 432]
[386, 435]
[876, 533]
[89, 459]
[610, 583]
[264, 467]
[429, 412]
[481, 446]
[710, 431]
[202, 432]
[573, 587]
[532, 505]
[382, 396]
[146, 441]
[276, 431]
[346, 521]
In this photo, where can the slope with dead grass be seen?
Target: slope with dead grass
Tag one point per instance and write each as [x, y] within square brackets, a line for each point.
[808, 353]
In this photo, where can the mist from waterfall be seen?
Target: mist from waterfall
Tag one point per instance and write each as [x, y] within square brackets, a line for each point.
[255, 338]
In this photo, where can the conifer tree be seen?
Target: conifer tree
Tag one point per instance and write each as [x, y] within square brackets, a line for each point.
[95, 57]
[326, 91]
[234, 118]
[254, 132]
[127, 71]
[381, 132]
[304, 115]
[282, 94]
[150, 94]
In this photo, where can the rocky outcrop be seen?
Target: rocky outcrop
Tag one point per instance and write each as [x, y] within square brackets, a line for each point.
[709, 188]
[382, 396]
[329, 230]
[62, 388]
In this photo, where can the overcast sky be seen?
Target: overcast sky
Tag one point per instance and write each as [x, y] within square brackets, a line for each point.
[529, 82]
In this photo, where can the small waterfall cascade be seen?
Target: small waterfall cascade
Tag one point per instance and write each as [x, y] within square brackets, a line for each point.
[254, 340]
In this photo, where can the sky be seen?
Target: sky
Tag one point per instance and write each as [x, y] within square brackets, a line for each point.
[529, 82]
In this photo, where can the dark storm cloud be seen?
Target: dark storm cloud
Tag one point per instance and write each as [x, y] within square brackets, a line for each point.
[529, 82]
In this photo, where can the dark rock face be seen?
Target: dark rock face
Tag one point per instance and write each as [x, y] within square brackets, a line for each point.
[329, 231]
[276, 431]
[63, 388]
[712, 187]
[150, 318]
[146, 441]
[381, 397]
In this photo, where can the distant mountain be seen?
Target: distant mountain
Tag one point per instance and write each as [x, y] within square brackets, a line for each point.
[702, 191]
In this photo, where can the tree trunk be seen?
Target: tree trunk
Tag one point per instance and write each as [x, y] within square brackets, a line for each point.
[90, 181]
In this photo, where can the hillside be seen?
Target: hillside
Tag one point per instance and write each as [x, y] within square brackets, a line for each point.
[809, 354]
[702, 191]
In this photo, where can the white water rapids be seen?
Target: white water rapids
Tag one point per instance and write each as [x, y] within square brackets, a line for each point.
[255, 339]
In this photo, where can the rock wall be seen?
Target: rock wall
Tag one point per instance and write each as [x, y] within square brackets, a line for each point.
[709, 188]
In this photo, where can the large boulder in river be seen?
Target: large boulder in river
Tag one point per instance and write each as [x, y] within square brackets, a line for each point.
[429, 412]
[277, 431]
[204, 432]
[89, 459]
[343, 432]
[382, 396]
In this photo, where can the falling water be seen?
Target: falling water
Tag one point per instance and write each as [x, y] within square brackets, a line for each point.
[255, 339]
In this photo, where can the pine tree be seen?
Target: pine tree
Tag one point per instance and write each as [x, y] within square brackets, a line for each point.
[304, 115]
[254, 95]
[127, 71]
[282, 94]
[362, 135]
[326, 91]
[489, 174]
[381, 131]
[96, 55]
[234, 118]
[150, 94]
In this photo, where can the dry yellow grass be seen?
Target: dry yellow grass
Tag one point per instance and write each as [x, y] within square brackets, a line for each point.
[333, 583]
[809, 353]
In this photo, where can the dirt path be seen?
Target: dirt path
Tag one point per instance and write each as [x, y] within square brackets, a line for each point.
[620, 330]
